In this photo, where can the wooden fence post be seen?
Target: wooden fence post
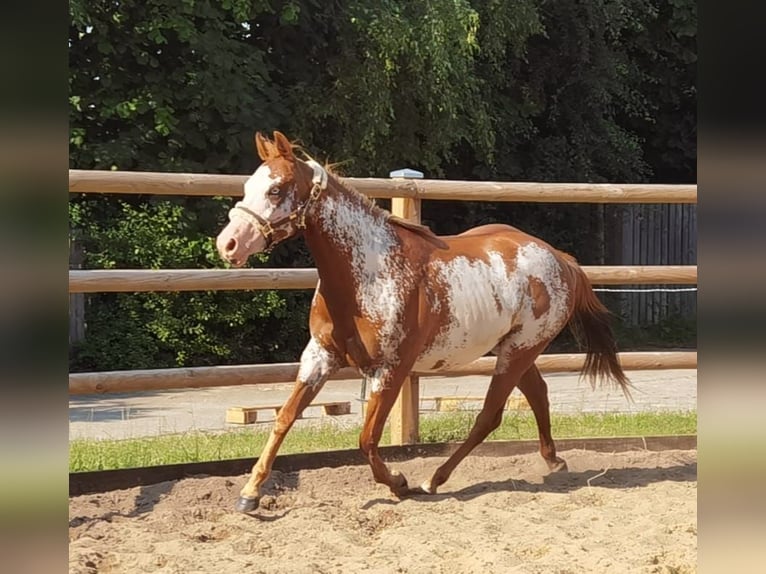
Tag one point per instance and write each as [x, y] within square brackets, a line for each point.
[406, 412]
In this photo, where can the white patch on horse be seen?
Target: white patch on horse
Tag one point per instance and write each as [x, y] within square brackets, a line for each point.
[534, 261]
[317, 363]
[486, 301]
[474, 290]
[256, 193]
[380, 272]
[376, 381]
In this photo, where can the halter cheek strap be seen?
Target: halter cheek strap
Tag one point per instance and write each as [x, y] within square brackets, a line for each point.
[296, 218]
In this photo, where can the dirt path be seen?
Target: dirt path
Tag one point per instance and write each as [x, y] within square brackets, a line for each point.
[495, 515]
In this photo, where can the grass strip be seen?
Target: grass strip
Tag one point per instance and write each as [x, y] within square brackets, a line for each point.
[89, 455]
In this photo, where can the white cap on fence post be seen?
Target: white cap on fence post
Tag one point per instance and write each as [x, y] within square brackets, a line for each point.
[406, 173]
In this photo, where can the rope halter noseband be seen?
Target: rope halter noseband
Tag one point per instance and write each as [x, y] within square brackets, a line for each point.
[297, 217]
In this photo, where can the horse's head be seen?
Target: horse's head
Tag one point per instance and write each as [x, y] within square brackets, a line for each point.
[277, 198]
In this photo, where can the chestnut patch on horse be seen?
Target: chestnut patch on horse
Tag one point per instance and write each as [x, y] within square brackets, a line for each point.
[540, 296]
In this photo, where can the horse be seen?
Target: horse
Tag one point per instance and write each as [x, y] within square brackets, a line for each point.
[393, 298]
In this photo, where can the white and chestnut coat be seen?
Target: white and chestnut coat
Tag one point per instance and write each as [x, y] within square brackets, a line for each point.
[394, 298]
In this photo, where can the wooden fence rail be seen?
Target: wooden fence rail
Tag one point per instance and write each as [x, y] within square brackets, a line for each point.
[142, 280]
[233, 375]
[86, 181]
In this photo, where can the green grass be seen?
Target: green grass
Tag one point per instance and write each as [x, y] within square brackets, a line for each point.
[521, 425]
[88, 455]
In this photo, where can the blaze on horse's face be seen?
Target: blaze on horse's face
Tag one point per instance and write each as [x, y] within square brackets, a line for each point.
[271, 194]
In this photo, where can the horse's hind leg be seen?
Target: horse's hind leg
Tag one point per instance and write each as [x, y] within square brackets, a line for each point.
[535, 390]
[489, 418]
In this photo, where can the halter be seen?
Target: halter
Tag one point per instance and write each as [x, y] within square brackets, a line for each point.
[297, 217]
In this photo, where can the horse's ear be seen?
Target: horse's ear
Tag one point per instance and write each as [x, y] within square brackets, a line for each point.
[283, 145]
[262, 145]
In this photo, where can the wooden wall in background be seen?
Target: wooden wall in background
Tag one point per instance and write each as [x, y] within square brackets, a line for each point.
[656, 235]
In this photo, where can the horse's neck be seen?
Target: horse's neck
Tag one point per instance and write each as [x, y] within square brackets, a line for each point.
[350, 238]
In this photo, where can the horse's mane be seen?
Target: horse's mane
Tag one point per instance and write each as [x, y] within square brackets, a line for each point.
[267, 149]
[421, 230]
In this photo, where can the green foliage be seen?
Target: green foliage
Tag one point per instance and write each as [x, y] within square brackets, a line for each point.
[665, 56]
[153, 330]
[166, 85]
[466, 89]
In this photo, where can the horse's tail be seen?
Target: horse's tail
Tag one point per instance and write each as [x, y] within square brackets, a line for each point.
[591, 326]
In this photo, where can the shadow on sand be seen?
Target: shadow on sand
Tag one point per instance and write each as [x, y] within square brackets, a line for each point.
[560, 482]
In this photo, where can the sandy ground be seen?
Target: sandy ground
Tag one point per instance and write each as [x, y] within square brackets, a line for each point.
[153, 413]
[618, 512]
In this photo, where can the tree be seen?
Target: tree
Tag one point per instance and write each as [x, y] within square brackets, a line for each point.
[465, 89]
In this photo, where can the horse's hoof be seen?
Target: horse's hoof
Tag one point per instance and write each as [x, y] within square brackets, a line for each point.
[427, 487]
[558, 465]
[245, 504]
[400, 489]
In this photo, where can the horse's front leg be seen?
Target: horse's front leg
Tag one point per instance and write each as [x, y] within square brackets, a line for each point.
[385, 386]
[317, 364]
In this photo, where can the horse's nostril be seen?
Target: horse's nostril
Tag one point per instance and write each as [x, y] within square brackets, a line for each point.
[231, 245]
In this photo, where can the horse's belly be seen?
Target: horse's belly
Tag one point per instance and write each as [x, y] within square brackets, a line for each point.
[481, 300]
[458, 347]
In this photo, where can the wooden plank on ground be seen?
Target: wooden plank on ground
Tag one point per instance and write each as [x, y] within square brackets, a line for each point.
[249, 415]
[442, 404]
[337, 408]
[241, 416]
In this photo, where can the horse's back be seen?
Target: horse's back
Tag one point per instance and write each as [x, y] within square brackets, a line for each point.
[497, 237]
[521, 252]
[491, 229]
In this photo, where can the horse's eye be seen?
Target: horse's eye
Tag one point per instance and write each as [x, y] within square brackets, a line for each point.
[274, 191]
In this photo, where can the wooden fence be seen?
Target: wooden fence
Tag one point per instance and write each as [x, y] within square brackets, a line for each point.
[406, 196]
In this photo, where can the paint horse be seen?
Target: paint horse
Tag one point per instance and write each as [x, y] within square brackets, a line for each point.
[393, 298]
